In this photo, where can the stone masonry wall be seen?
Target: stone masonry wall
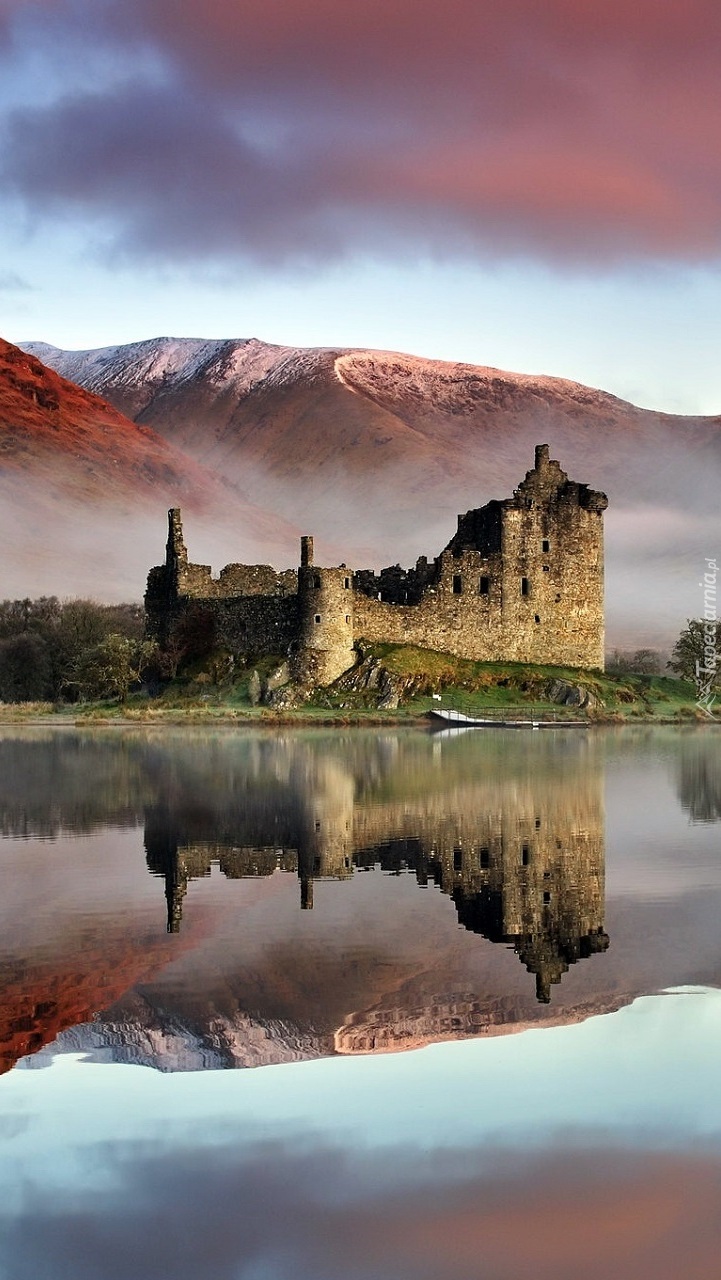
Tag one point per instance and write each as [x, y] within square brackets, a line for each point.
[452, 615]
[235, 580]
[531, 590]
[520, 580]
[324, 644]
[247, 625]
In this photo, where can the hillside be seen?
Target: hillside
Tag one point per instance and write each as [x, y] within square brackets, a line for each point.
[49, 426]
[350, 415]
[84, 489]
[385, 449]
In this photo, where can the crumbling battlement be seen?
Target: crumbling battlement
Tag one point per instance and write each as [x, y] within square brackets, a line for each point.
[520, 580]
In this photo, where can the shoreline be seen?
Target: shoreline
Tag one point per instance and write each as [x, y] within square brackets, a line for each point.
[285, 720]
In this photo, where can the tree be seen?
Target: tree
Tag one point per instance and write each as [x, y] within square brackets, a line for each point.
[645, 662]
[25, 668]
[20, 616]
[112, 667]
[45, 642]
[696, 655]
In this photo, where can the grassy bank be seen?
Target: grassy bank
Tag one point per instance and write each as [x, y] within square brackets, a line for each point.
[413, 676]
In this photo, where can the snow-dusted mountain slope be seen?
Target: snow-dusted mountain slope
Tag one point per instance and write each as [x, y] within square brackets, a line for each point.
[137, 372]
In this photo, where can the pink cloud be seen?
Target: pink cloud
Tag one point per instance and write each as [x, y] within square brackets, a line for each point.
[567, 129]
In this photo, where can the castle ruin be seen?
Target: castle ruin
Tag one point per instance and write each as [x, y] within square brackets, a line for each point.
[519, 851]
[521, 580]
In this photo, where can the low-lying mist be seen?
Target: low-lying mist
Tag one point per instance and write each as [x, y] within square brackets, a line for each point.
[662, 523]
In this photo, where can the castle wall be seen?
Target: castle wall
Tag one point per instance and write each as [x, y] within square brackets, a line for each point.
[256, 624]
[453, 615]
[552, 539]
[247, 625]
[520, 580]
[236, 580]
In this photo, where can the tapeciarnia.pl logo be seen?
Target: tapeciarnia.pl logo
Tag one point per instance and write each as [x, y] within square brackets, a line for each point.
[706, 667]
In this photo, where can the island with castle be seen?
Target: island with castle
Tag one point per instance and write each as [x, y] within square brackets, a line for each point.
[521, 580]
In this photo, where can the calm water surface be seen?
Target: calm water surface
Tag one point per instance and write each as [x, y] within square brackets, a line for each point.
[477, 976]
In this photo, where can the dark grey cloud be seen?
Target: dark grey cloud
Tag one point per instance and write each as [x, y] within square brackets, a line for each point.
[296, 130]
[169, 174]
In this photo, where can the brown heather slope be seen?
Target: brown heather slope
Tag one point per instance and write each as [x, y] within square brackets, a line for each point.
[51, 428]
[84, 491]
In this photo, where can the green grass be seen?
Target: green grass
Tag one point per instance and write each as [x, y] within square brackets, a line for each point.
[474, 687]
[478, 687]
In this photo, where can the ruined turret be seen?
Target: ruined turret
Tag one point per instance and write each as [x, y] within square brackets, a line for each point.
[324, 647]
[176, 555]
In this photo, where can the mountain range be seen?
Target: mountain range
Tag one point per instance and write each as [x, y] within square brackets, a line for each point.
[376, 452]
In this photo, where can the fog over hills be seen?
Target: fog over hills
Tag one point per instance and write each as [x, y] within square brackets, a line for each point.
[84, 489]
[377, 452]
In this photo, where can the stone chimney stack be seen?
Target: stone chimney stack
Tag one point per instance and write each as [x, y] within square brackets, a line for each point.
[542, 456]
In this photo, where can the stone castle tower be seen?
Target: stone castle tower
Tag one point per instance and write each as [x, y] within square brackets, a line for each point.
[521, 580]
[323, 649]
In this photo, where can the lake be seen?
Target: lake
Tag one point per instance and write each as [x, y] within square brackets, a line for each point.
[364, 1003]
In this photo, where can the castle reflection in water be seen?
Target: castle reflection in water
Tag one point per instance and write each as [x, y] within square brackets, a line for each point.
[520, 852]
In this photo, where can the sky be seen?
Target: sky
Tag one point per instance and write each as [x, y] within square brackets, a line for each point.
[531, 186]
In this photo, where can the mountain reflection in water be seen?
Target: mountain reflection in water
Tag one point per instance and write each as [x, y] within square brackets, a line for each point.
[509, 827]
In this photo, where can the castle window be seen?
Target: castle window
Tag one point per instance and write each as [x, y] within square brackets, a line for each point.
[457, 584]
[537, 618]
[317, 617]
[546, 569]
[524, 586]
[483, 586]
[316, 580]
[458, 858]
[545, 545]
[558, 597]
[347, 618]
[485, 858]
[546, 898]
[525, 855]
[347, 584]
